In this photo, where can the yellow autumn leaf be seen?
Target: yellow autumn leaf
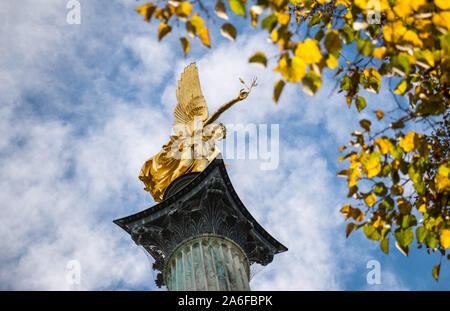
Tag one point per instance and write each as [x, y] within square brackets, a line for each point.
[445, 238]
[283, 18]
[394, 32]
[380, 114]
[345, 209]
[197, 22]
[423, 208]
[147, 10]
[143, 8]
[357, 214]
[442, 4]
[442, 19]
[379, 223]
[443, 179]
[371, 163]
[426, 55]
[354, 174]
[308, 51]
[362, 4]
[184, 9]
[379, 52]
[411, 37]
[254, 17]
[163, 30]
[293, 70]
[274, 35]
[401, 87]
[370, 200]
[409, 142]
[404, 8]
[383, 144]
[345, 3]
[332, 61]
[204, 36]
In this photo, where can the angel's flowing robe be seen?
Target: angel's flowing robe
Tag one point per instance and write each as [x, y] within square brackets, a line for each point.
[181, 155]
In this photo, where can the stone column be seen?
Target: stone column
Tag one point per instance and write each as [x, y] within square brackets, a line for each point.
[207, 263]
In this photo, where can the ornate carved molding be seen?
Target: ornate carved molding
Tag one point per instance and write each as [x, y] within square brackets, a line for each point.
[207, 204]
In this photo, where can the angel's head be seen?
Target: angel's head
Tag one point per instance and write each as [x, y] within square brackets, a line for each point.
[220, 132]
[214, 131]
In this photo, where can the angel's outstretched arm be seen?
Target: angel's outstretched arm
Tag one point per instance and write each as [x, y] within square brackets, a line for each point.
[212, 118]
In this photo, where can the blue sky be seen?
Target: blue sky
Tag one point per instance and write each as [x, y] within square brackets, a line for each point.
[83, 106]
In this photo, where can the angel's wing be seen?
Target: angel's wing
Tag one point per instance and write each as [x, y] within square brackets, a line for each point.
[191, 107]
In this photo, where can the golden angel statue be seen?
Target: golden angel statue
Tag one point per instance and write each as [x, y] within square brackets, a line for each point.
[192, 147]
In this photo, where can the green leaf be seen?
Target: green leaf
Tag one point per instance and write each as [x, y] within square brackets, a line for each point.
[319, 35]
[387, 167]
[404, 237]
[421, 234]
[445, 43]
[404, 166]
[237, 6]
[314, 20]
[407, 221]
[395, 176]
[348, 34]
[333, 43]
[389, 203]
[401, 63]
[365, 47]
[345, 83]
[258, 58]
[269, 22]
[380, 189]
[371, 233]
[228, 31]
[311, 83]
[420, 187]
[220, 10]
[365, 124]
[403, 249]
[396, 152]
[433, 107]
[384, 245]
[431, 240]
[373, 30]
[373, 84]
[360, 103]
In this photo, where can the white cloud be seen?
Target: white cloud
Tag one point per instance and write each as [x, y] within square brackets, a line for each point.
[67, 173]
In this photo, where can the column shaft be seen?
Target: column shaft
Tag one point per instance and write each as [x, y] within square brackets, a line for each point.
[207, 263]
